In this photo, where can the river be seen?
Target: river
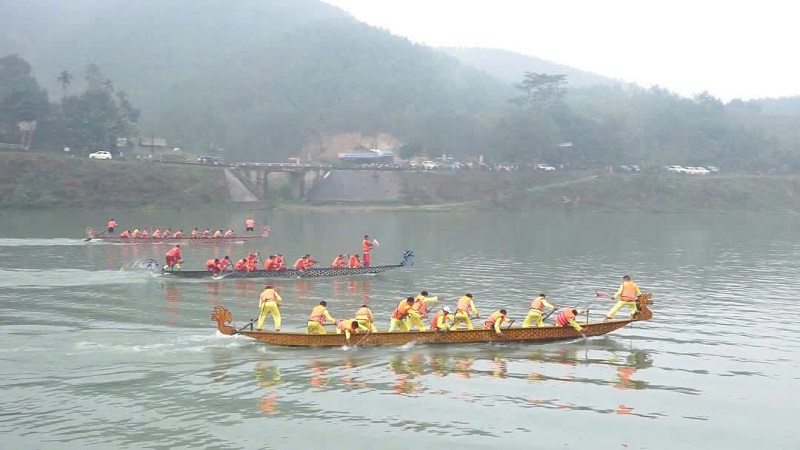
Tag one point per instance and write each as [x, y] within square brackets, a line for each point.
[97, 354]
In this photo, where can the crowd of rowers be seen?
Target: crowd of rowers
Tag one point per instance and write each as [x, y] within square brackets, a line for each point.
[217, 266]
[167, 233]
[411, 311]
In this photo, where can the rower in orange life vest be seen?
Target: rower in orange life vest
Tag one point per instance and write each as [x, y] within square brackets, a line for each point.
[365, 318]
[241, 265]
[217, 234]
[178, 234]
[213, 266]
[463, 309]
[269, 263]
[495, 319]
[206, 233]
[418, 311]
[125, 234]
[145, 233]
[440, 319]
[252, 262]
[316, 320]
[567, 317]
[225, 264]
[228, 233]
[174, 257]
[400, 313]
[195, 233]
[135, 233]
[249, 224]
[627, 294]
[268, 303]
[157, 233]
[366, 246]
[535, 312]
[304, 263]
[338, 262]
[349, 326]
[111, 225]
[280, 263]
[354, 263]
[166, 232]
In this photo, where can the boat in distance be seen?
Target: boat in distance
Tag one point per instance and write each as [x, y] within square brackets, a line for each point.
[547, 333]
[321, 272]
[188, 239]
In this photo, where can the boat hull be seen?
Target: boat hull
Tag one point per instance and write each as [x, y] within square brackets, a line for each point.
[102, 237]
[288, 273]
[545, 334]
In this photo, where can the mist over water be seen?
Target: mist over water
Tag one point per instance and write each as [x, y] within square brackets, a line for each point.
[97, 354]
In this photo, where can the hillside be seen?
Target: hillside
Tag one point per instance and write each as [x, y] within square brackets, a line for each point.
[261, 79]
[510, 66]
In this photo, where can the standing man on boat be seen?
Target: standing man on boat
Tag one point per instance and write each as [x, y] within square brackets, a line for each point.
[400, 313]
[440, 319]
[249, 224]
[567, 317]
[174, 257]
[268, 303]
[111, 225]
[365, 318]
[319, 315]
[366, 247]
[463, 309]
[535, 312]
[496, 319]
[627, 294]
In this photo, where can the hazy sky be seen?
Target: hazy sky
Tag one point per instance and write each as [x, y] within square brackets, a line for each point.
[736, 48]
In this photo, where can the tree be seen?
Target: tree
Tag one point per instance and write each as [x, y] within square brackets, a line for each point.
[541, 90]
[65, 78]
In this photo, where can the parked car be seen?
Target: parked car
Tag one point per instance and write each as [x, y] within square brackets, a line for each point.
[102, 154]
[697, 171]
[429, 165]
[214, 160]
[676, 169]
[545, 167]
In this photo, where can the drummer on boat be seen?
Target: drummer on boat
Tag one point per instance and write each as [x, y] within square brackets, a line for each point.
[627, 293]
[111, 225]
[249, 224]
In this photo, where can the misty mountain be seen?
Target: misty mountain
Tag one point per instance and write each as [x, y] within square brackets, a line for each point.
[261, 78]
[510, 66]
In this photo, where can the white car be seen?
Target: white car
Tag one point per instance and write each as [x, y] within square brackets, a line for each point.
[697, 171]
[545, 167]
[102, 154]
[429, 165]
[676, 169]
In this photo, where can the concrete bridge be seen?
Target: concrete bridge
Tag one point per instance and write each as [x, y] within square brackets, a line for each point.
[254, 182]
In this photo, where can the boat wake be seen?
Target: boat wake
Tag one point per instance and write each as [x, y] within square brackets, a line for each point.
[37, 242]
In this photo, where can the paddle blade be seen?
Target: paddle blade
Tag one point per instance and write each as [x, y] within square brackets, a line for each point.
[600, 294]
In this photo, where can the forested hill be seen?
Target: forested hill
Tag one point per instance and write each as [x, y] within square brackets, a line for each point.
[510, 66]
[261, 78]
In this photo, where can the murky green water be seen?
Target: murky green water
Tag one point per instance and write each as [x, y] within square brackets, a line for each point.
[97, 357]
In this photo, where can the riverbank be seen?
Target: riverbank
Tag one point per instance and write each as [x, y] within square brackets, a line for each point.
[37, 181]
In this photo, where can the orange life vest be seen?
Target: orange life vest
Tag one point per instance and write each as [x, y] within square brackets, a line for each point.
[136, 232]
[338, 262]
[353, 263]
[628, 291]
[125, 233]
[241, 265]
[174, 252]
[435, 321]
[563, 318]
[177, 234]
[229, 233]
[195, 233]
[300, 264]
[364, 313]
[420, 305]
[318, 314]
[157, 234]
[267, 295]
[495, 316]
[538, 303]
[401, 311]
[249, 223]
[112, 224]
[463, 304]
[217, 234]
[366, 246]
[347, 324]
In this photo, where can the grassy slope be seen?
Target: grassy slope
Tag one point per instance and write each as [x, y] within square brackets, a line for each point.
[44, 181]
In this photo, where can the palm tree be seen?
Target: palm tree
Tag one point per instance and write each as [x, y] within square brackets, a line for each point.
[65, 78]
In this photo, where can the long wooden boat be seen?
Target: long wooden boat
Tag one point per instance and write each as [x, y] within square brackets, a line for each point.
[548, 333]
[103, 237]
[322, 272]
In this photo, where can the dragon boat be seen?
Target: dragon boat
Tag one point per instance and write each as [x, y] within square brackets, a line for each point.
[103, 237]
[548, 333]
[322, 272]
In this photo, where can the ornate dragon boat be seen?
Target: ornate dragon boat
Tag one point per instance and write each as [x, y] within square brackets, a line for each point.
[548, 333]
[408, 260]
[103, 237]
